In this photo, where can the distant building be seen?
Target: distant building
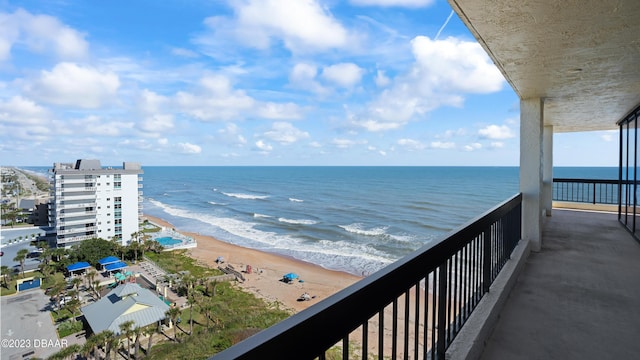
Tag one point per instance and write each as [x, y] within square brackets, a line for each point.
[127, 302]
[90, 201]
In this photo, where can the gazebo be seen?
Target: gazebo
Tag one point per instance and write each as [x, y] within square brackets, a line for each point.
[108, 260]
[79, 266]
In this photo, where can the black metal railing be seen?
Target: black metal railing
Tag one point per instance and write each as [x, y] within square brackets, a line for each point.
[592, 191]
[411, 309]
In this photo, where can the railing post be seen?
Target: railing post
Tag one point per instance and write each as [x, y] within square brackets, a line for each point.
[594, 192]
[486, 264]
[442, 311]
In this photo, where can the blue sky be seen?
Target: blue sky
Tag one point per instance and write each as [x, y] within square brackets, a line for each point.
[258, 82]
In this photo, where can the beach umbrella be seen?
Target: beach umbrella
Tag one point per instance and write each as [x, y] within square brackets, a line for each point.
[290, 276]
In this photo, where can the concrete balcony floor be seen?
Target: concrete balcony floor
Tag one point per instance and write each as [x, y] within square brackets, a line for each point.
[578, 298]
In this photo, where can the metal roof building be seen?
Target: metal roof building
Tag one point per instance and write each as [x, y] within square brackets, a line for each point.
[125, 302]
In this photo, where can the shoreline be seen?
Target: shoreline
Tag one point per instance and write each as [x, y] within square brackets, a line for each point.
[267, 270]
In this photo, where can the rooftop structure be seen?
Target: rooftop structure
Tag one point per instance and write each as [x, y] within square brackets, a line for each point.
[91, 201]
[126, 302]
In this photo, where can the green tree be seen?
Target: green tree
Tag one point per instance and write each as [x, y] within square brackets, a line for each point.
[57, 290]
[21, 256]
[76, 281]
[135, 246]
[126, 331]
[173, 314]
[149, 331]
[6, 275]
[137, 332]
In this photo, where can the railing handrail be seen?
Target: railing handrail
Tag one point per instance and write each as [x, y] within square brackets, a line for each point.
[592, 181]
[595, 191]
[314, 330]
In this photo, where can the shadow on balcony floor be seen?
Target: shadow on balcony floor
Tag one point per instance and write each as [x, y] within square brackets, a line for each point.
[579, 298]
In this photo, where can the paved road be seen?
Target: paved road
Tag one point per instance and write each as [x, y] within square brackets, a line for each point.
[26, 326]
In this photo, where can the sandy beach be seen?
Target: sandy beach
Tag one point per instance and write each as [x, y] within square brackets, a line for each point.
[268, 269]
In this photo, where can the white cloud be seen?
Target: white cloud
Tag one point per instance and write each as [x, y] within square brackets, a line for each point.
[345, 75]
[188, 148]
[497, 145]
[443, 71]
[155, 125]
[473, 146]
[163, 141]
[388, 3]
[456, 65]
[277, 111]
[347, 143]
[411, 144]
[609, 136]
[216, 100]
[303, 76]
[21, 111]
[40, 34]
[497, 132]
[381, 79]
[74, 85]
[97, 126]
[300, 25]
[182, 52]
[285, 133]
[260, 144]
[443, 145]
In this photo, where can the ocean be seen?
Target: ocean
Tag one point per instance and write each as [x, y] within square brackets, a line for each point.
[353, 219]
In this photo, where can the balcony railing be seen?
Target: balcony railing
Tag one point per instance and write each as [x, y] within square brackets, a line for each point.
[417, 304]
[592, 191]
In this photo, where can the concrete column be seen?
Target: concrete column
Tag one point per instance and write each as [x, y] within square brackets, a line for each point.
[547, 169]
[531, 128]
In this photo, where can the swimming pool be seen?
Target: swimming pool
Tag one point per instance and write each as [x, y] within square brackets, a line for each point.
[168, 241]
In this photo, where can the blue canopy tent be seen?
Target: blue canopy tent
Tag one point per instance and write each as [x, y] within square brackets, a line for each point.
[79, 266]
[108, 260]
[115, 266]
[289, 277]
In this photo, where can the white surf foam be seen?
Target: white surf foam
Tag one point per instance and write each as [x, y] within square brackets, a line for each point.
[246, 196]
[297, 221]
[295, 200]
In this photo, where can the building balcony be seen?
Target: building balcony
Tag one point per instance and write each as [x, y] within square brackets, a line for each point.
[76, 230]
[577, 298]
[76, 206]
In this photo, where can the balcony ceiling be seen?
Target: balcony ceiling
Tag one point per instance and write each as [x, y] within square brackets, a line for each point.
[581, 56]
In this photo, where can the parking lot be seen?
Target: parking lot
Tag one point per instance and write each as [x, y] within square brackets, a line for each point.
[26, 326]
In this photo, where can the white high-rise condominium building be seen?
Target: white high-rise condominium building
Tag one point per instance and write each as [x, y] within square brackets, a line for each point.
[90, 201]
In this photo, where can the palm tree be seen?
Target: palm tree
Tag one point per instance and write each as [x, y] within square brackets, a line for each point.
[58, 289]
[6, 275]
[126, 331]
[91, 275]
[135, 246]
[95, 341]
[173, 314]
[73, 305]
[149, 331]
[88, 347]
[67, 352]
[106, 338]
[20, 257]
[76, 281]
[137, 332]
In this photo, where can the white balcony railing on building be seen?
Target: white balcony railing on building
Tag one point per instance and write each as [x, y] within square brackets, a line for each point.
[76, 206]
[74, 238]
[78, 196]
[77, 230]
[72, 221]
